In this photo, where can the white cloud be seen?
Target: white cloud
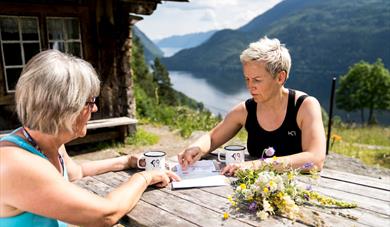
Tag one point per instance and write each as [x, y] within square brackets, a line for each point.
[208, 15]
[178, 18]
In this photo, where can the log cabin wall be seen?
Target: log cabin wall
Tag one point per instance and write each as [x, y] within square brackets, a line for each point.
[26, 29]
[102, 30]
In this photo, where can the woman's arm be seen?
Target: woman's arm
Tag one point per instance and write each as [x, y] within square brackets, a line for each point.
[30, 183]
[91, 168]
[309, 120]
[219, 135]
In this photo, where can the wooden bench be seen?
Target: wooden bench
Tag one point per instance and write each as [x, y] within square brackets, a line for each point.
[103, 129]
[107, 129]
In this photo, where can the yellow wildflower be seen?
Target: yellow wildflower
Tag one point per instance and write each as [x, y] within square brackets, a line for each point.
[265, 190]
[336, 137]
[225, 215]
[242, 186]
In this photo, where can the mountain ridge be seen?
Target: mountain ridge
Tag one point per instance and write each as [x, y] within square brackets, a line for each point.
[324, 38]
[184, 41]
[151, 50]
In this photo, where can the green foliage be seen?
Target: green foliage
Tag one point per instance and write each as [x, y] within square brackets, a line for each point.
[369, 144]
[164, 92]
[188, 120]
[365, 86]
[158, 102]
[369, 135]
[370, 156]
[142, 138]
[142, 77]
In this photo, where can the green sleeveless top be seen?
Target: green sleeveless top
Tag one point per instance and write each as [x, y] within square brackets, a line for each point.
[27, 219]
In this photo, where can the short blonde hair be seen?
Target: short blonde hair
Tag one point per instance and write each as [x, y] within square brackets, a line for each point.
[270, 51]
[53, 89]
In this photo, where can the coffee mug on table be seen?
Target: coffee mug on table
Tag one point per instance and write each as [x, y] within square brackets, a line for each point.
[233, 154]
[154, 160]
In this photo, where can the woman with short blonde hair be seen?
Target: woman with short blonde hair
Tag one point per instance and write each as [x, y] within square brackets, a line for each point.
[286, 120]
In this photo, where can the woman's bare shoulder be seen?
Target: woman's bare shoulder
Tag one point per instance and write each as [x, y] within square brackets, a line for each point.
[238, 113]
[16, 161]
[309, 99]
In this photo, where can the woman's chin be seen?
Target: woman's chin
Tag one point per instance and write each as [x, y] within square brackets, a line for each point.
[82, 133]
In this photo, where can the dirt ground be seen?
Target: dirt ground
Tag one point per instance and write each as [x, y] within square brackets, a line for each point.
[172, 143]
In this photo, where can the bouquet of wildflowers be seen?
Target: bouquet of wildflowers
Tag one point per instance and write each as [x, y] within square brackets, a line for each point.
[267, 191]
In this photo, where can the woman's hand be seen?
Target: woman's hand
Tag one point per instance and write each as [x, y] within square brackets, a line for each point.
[132, 160]
[231, 169]
[189, 156]
[160, 178]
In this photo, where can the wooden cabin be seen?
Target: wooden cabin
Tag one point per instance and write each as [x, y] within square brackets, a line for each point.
[98, 31]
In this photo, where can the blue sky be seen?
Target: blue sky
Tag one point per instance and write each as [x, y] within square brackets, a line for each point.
[178, 18]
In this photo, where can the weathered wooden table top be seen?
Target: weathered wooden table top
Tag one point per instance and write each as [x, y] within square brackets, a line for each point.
[205, 206]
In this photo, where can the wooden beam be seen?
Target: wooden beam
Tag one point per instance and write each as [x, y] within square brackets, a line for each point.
[7, 100]
[110, 122]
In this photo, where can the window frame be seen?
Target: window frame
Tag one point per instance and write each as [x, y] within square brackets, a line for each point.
[64, 30]
[82, 11]
[20, 41]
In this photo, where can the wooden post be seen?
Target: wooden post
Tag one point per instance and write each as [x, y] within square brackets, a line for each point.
[330, 113]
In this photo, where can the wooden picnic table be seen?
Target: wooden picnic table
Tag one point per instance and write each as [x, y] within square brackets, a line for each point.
[205, 206]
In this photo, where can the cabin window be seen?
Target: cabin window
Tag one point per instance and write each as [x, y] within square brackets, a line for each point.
[64, 35]
[19, 38]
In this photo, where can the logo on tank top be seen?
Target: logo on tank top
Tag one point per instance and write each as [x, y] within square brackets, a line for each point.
[291, 133]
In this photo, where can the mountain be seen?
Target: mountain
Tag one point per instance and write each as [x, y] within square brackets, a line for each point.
[324, 37]
[178, 42]
[151, 51]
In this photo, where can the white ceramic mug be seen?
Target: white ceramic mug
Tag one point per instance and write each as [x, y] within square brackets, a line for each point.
[233, 154]
[154, 160]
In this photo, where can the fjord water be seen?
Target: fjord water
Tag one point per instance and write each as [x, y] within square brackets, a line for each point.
[218, 95]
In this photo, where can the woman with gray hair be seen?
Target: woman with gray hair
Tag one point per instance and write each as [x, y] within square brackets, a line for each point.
[55, 97]
[286, 120]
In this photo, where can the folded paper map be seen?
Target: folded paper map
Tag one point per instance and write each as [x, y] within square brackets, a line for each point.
[204, 173]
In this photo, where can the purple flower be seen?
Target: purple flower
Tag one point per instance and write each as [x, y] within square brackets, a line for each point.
[308, 187]
[306, 196]
[308, 165]
[252, 206]
[270, 151]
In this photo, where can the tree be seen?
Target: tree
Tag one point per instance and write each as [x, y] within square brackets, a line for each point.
[142, 75]
[365, 87]
[165, 93]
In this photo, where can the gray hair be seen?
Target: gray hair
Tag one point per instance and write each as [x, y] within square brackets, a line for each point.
[52, 90]
[274, 54]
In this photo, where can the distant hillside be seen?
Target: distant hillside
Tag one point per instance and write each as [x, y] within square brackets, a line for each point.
[184, 41]
[324, 37]
[151, 51]
[173, 44]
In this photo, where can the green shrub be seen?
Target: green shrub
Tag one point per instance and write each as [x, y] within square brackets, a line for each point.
[142, 138]
[369, 144]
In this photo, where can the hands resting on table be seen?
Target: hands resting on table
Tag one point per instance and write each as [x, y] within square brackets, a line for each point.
[193, 154]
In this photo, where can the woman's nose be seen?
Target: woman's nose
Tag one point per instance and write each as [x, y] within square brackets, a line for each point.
[95, 108]
[249, 84]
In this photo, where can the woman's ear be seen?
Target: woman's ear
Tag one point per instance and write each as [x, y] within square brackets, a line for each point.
[282, 77]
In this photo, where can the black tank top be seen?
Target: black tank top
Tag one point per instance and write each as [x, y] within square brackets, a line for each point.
[286, 140]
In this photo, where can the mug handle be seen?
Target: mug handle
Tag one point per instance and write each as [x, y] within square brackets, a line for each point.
[219, 157]
[141, 167]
